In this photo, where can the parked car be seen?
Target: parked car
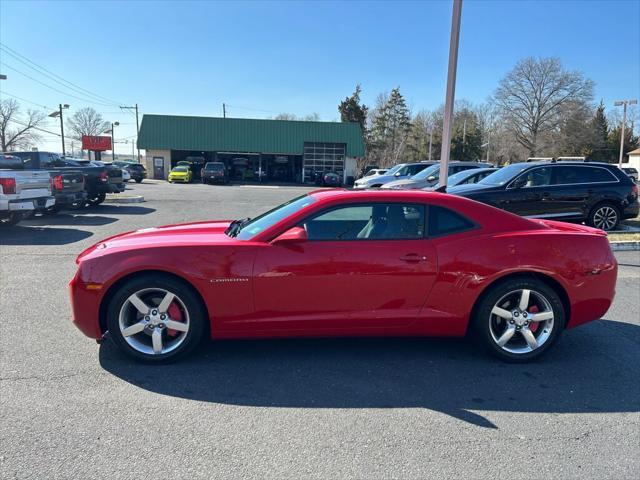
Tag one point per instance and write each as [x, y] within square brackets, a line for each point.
[136, 170]
[328, 179]
[99, 180]
[215, 172]
[599, 194]
[376, 171]
[631, 172]
[466, 177]
[180, 173]
[330, 263]
[68, 191]
[115, 180]
[399, 172]
[367, 169]
[430, 176]
[21, 191]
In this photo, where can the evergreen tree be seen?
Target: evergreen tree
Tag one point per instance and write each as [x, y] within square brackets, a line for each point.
[600, 133]
[351, 110]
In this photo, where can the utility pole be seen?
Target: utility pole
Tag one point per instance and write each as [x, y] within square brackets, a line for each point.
[464, 136]
[451, 91]
[624, 121]
[135, 107]
[58, 113]
[224, 110]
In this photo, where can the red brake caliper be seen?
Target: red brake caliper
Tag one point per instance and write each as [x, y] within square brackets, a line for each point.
[176, 315]
[533, 326]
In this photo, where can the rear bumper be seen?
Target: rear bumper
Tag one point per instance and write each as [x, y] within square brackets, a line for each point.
[116, 187]
[27, 204]
[69, 198]
[631, 211]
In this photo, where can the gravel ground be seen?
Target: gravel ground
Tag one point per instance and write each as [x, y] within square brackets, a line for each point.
[344, 408]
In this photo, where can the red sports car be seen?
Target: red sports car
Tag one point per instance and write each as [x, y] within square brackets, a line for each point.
[338, 263]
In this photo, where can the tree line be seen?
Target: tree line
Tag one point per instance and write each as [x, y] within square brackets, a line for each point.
[539, 109]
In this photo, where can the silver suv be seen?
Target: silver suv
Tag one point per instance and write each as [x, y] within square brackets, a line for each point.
[399, 172]
[430, 176]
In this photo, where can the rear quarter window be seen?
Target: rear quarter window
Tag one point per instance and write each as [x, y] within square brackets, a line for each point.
[443, 221]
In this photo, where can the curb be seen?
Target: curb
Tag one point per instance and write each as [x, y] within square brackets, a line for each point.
[625, 246]
[131, 199]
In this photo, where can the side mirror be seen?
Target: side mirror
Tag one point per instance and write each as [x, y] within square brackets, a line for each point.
[397, 174]
[293, 235]
[431, 178]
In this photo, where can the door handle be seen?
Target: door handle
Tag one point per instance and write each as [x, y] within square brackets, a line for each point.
[413, 258]
[545, 195]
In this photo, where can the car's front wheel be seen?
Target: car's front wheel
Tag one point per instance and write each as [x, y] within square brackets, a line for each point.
[519, 319]
[156, 318]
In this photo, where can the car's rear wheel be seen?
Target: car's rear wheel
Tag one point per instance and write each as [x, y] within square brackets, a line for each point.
[519, 319]
[11, 219]
[604, 216]
[138, 180]
[96, 199]
[156, 318]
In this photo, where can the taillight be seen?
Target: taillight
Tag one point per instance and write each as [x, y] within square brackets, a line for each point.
[104, 176]
[634, 190]
[57, 183]
[8, 185]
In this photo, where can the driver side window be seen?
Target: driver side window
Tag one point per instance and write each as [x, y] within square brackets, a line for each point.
[379, 221]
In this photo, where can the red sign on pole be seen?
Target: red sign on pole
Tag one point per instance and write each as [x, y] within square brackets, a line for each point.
[97, 144]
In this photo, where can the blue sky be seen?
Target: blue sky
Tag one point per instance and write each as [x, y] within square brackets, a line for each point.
[263, 58]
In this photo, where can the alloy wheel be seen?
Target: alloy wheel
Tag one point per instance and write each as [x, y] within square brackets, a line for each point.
[154, 321]
[521, 321]
[605, 218]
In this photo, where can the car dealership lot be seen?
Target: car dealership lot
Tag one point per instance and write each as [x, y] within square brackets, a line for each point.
[364, 408]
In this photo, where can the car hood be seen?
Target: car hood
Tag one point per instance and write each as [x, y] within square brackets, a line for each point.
[472, 188]
[376, 179]
[407, 183]
[188, 234]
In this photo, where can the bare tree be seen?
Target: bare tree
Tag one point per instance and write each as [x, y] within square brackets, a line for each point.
[533, 95]
[17, 131]
[86, 121]
[285, 116]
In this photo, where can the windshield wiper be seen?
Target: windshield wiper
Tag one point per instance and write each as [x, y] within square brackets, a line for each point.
[234, 227]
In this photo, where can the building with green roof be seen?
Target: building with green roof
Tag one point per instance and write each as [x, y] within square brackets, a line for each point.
[278, 151]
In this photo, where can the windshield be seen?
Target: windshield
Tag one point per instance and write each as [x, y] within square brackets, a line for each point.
[460, 176]
[214, 166]
[427, 172]
[505, 174]
[393, 170]
[270, 218]
[180, 169]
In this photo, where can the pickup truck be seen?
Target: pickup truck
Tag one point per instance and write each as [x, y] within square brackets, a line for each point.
[99, 180]
[21, 191]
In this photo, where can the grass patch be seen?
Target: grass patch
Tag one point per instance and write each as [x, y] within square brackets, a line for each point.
[624, 237]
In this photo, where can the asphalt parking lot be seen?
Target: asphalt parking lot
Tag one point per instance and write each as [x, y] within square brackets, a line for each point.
[347, 408]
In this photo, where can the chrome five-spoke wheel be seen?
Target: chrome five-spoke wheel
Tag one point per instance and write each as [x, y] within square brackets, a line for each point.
[156, 318]
[154, 321]
[521, 321]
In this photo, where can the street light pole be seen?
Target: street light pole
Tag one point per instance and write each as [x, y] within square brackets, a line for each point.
[113, 140]
[624, 121]
[58, 113]
[451, 91]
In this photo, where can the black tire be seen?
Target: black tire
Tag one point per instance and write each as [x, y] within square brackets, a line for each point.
[52, 210]
[96, 199]
[484, 320]
[78, 205]
[11, 220]
[138, 180]
[605, 216]
[196, 312]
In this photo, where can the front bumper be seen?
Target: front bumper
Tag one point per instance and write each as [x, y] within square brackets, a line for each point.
[179, 179]
[85, 303]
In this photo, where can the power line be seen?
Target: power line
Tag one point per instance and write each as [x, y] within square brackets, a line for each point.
[25, 100]
[48, 73]
[34, 127]
[55, 89]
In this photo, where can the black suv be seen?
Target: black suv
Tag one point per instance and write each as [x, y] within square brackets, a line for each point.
[597, 193]
[214, 172]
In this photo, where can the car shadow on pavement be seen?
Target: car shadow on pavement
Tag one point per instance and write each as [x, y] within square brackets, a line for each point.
[118, 209]
[593, 369]
[70, 219]
[34, 235]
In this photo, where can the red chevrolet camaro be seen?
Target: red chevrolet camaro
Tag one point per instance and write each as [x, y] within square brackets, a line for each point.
[347, 263]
